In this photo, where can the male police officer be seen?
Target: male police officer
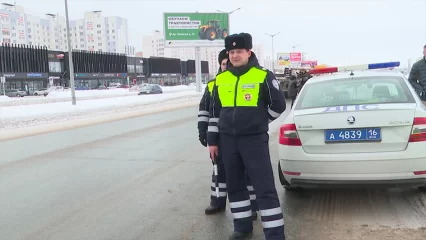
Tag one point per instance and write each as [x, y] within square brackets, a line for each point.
[218, 204]
[245, 99]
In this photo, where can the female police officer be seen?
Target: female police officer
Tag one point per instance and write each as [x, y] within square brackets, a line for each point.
[245, 99]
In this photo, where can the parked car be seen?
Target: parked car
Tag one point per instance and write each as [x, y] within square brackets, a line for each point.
[42, 91]
[15, 93]
[150, 89]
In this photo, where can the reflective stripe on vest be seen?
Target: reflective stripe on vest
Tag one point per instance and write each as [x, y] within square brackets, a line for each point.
[210, 86]
[240, 92]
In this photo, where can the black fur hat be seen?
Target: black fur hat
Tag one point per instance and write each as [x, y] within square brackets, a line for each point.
[222, 55]
[238, 41]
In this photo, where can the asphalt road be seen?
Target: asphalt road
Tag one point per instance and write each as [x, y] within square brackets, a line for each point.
[155, 183]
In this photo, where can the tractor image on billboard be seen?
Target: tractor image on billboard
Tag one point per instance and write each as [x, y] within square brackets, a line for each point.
[212, 31]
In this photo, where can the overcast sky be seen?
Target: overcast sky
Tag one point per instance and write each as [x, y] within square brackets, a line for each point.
[335, 32]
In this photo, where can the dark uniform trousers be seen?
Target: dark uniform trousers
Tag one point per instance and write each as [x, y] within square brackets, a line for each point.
[251, 153]
[221, 201]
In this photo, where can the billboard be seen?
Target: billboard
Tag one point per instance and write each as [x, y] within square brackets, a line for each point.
[309, 63]
[283, 59]
[287, 59]
[295, 57]
[195, 29]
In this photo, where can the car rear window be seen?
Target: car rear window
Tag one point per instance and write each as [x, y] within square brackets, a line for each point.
[344, 92]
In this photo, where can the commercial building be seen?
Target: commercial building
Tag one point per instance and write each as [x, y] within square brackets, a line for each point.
[94, 32]
[23, 67]
[32, 68]
[153, 46]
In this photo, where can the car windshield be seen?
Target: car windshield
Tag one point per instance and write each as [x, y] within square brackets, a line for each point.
[343, 92]
[148, 87]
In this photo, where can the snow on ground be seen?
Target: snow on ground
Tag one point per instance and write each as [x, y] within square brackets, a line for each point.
[29, 115]
[65, 96]
[5, 99]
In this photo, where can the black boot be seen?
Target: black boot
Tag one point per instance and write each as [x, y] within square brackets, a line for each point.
[240, 235]
[210, 210]
[253, 215]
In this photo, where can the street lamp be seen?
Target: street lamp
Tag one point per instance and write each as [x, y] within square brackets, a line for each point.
[272, 56]
[230, 11]
[70, 63]
[295, 46]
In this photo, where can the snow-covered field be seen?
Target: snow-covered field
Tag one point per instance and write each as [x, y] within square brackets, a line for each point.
[25, 115]
[65, 96]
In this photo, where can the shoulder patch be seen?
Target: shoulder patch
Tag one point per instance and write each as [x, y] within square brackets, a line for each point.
[276, 84]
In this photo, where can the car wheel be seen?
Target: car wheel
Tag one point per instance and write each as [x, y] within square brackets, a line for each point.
[423, 189]
[284, 182]
[35, 94]
[17, 95]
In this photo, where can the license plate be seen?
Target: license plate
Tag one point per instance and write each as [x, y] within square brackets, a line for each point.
[353, 135]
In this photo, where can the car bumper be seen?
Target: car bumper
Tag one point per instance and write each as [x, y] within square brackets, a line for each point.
[403, 168]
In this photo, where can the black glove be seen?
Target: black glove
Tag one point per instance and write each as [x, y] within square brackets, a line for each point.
[203, 138]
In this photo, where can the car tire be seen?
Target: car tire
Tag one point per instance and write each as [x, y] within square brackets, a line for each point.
[35, 94]
[284, 182]
[423, 189]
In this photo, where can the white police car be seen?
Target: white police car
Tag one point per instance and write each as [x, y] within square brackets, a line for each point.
[359, 128]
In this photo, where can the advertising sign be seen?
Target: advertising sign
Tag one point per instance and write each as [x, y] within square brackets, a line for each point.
[309, 63]
[195, 29]
[283, 59]
[295, 57]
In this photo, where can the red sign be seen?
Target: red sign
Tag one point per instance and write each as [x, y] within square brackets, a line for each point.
[309, 63]
[295, 57]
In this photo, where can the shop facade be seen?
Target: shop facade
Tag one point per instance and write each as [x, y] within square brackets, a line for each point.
[135, 70]
[87, 81]
[23, 67]
[94, 70]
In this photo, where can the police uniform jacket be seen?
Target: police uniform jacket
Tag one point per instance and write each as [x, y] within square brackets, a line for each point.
[244, 100]
[203, 109]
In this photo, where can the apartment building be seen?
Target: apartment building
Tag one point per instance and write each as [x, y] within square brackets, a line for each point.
[94, 32]
[153, 45]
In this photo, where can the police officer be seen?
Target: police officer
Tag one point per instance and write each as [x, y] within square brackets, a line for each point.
[218, 204]
[245, 98]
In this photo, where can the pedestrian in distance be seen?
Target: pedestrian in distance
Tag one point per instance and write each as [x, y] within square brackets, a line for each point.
[245, 98]
[417, 77]
[292, 89]
[218, 204]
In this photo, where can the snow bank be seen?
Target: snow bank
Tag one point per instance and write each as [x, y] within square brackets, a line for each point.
[82, 95]
[25, 115]
[4, 98]
[71, 122]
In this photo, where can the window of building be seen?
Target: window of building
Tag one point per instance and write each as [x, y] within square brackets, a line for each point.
[139, 69]
[99, 25]
[99, 44]
[55, 67]
[5, 32]
[131, 68]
